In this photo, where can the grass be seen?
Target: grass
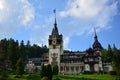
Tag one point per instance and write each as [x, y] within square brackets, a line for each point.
[25, 77]
[67, 77]
[88, 77]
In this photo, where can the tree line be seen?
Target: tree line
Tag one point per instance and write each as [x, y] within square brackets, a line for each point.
[13, 54]
[112, 55]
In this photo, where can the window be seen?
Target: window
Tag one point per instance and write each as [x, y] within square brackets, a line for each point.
[90, 59]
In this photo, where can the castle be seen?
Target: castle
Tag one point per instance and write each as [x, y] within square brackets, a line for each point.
[71, 62]
[74, 62]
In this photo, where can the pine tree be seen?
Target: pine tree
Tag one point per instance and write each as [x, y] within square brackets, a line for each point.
[43, 71]
[22, 50]
[116, 60]
[20, 67]
[104, 55]
[49, 71]
[12, 54]
[55, 69]
[109, 54]
[3, 71]
[2, 59]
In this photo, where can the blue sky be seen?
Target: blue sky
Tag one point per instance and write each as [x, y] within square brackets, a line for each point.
[33, 20]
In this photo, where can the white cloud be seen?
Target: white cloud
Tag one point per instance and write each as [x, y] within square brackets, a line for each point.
[1, 5]
[95, 12]
[13, 15]
[26, 12]
[83, 15]
[66, 41]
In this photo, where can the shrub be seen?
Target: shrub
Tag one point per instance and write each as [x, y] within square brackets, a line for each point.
[88, 72]
[46, 71]
[112, 72]
[57, 79]
[4, 76]
[45, 78]
[18, 76]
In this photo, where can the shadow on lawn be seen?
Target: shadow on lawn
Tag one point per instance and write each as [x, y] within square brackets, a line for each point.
[33, 77]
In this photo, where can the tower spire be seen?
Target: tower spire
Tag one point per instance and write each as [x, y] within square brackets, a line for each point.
[55, 29]
[55, 17]
[96, 44]
[95, 35]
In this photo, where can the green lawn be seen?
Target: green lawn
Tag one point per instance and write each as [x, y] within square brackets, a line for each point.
[69, 77]
[25, 77]
[88, 77]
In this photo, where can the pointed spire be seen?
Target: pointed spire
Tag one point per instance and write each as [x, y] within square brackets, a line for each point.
[55, 29]
[55, 17]
[95, 35]
[96, 44]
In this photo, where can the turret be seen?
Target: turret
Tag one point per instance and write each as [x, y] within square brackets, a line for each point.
[96, 44]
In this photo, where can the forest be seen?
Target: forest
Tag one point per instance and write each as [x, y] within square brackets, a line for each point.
[14, 53]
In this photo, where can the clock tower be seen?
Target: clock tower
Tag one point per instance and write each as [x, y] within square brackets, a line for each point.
[55, 46]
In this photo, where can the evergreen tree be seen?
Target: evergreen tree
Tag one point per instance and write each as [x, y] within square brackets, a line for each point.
[20, 67]
[22, 50]
[4, 45]
[49, 71]
[46, 71]
[116, 60]
[28, 49]
[104, 55]
[3, 71]
[2, 60]
[109, 54]
[12, 54]
[43, 71]
[55, 69]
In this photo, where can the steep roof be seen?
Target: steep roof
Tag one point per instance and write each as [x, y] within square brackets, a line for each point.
[96, 44]
[55, 29]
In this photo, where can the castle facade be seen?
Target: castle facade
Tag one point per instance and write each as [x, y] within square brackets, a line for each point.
[74, 62]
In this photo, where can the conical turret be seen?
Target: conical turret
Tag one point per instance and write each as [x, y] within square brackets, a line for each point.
[96, 44]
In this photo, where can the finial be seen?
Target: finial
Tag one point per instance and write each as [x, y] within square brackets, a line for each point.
[55, 15]
[54, 12]
[95, 32]
[95, 35]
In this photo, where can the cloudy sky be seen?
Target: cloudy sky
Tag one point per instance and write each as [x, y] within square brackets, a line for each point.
[33, 20]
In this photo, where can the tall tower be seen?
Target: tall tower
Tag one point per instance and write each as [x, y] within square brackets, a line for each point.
[98, 50]
[55, 45]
